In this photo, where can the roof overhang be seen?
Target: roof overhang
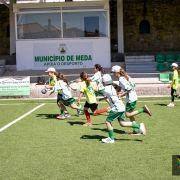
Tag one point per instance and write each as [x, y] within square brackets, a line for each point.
[80, 4]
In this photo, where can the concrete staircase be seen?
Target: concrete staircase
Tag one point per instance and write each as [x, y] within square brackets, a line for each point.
[140, 64]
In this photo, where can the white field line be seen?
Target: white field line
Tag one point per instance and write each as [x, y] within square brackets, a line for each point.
[21, 117]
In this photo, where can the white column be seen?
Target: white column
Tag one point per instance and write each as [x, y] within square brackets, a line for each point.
[12, 28]
[120, 26]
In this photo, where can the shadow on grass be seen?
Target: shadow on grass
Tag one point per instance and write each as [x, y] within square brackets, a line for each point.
[100, 137]
[92, 114]
[105, 130]
[98, 124]
[160, 104]
[47, 116]
[72, 123]
[125, 139]
[52, 116]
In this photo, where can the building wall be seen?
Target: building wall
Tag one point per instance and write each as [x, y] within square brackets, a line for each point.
[4, 30]
[163, 16]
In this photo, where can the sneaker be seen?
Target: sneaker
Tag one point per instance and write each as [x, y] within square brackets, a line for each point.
[170, 105]
[60, 117]
[87, 124]
[80, 111]
[142, 128]
[147, 111]
[108, 140]
[67, 115]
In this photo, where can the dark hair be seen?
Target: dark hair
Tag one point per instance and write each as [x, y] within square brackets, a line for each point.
[84, 77]
[99, 67]
[116, 87]
[61, 76]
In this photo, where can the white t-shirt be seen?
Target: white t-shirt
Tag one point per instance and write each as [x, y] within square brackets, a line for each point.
[115, 103]
[97, 77]
[64, 89]
[129, 87]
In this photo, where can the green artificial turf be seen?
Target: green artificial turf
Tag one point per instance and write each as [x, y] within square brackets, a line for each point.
[10, 110]
[41, 147]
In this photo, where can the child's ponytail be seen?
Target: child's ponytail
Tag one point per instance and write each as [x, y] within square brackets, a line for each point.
[61, 76]
[99, 68]
[122, 72]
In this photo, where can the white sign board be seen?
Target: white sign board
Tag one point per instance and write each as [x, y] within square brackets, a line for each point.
[65, 55]
[62, 54]
[15, 86]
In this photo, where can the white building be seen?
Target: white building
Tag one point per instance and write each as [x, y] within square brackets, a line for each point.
[66, 35]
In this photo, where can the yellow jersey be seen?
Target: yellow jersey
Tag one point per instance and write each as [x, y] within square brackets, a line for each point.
[175, 80]
[89, 92]
[52, 80]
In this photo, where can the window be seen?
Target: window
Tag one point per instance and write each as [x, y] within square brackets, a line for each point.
[85, 24]
[39, 25]
[144, 27]
[91, 26]
[74, 25]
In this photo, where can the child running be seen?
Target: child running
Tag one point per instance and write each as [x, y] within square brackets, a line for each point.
[128, 87]
[89, 89]
[117, 111]
[65, 97]
[52, 77]
[52, 82]
[97, 78]
[174, 85]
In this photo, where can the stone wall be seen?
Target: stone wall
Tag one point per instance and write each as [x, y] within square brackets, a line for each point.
[163, 16]
[4, 32]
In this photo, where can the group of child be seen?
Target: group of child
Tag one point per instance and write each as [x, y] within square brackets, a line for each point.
[101, 84]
